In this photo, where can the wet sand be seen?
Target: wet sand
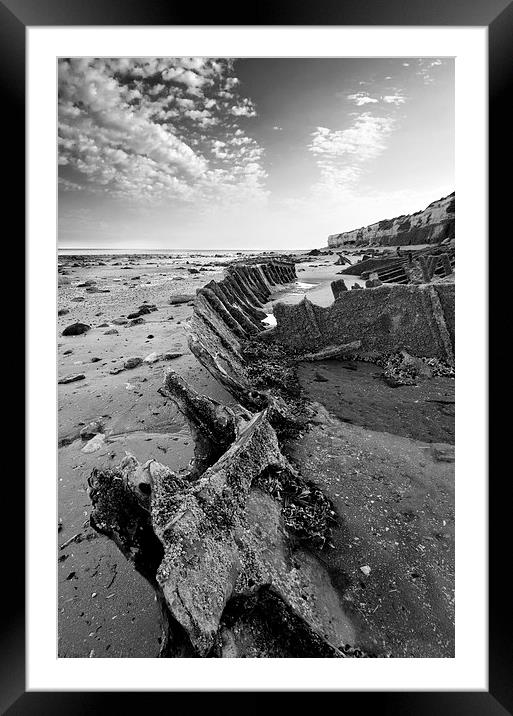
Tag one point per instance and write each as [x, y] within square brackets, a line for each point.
[356, 393]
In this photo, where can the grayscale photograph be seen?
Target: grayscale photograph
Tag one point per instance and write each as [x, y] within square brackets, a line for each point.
[255, 346]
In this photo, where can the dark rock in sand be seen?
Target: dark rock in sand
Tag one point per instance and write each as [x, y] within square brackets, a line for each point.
[66, 353]
[132, 363]
[72, 378]
[95, 360]
[111, 332]
[119, 321]
[62, 311]
[76, 329]
[181, 298]
[320, 378]
[78, 298]
[136, 321]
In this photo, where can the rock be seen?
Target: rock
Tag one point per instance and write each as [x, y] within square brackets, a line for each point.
[365, 569]
[181, 298]
[152, 357]
[418, 364]
[119, 321]
[67, 353]
[72, 378]
[86, 284]
[89, 431]
[132, 363]
[314, 252]
[118, 369]
[95, 360]
[373, 281]
[442, 452]
[111, 332]
[320, 378]
[193, 270]
[94, 444]
[62, 311]
[78, 298]
[136, 321]
[172, 356]
[76, 329]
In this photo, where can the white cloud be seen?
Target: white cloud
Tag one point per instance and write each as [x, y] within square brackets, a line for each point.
[396, 99]
[361, 98]
[425, 69]
[138, 130]
[343, 155]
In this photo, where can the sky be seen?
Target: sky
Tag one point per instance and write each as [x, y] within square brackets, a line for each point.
[267, 153]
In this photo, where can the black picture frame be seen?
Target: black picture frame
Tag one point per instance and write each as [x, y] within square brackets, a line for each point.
[497, 15]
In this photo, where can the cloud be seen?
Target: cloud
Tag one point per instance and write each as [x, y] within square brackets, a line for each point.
[138, 129]
[343, 155]
[361, 98]
[425, 69]
[396, 99]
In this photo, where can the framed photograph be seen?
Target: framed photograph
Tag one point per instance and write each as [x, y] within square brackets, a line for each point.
[257, 415]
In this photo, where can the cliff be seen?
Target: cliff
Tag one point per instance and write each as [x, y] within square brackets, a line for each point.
[430, 226]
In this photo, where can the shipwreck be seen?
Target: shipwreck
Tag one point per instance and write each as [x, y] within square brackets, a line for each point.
[291, 535]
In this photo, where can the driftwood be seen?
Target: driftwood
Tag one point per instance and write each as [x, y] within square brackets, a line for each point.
[347, 349]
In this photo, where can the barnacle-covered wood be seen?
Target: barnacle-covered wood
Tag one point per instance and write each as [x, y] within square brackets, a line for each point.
[224, 545]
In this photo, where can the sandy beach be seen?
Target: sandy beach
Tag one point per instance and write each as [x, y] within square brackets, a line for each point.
[96, 617]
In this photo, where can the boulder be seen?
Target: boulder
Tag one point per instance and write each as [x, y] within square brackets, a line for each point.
[76, 329]
[132, 363]
[72, 378]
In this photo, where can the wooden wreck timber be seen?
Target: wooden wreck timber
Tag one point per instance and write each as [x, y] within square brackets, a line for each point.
[227, 313]
[387, 319]
[224, 545]
[421, 266]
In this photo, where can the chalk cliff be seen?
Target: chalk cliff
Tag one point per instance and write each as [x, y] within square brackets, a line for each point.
[430, 226]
